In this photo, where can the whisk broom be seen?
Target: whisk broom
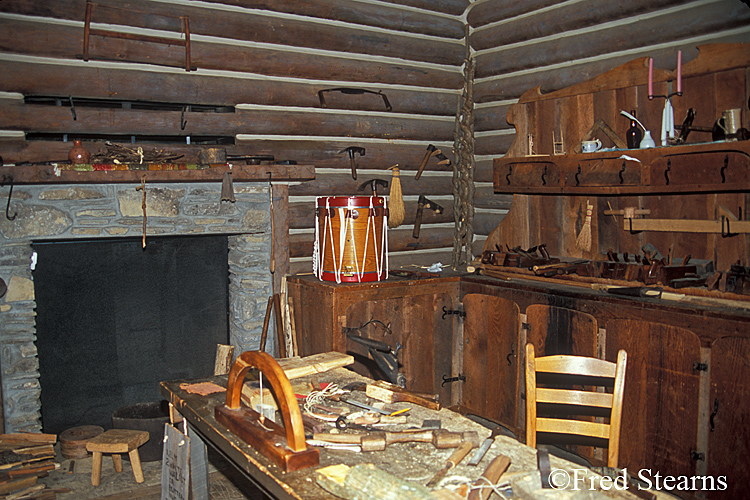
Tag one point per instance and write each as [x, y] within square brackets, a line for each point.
[396, 201]
[583, 242]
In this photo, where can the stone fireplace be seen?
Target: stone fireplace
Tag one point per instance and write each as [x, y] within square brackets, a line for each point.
[89, 211]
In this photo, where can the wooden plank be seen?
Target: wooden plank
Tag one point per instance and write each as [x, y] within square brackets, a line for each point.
[661, 389]
[54, 119]
[558, 330]
[546, 22]
[297, 367]
[491, 358]
[648, 31]
[728, 406]
[265, 27]
[47, 174]
[16, 37]
[89, 80]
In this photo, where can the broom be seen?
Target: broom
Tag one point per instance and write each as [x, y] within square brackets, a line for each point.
[396, 201]
[583, 242]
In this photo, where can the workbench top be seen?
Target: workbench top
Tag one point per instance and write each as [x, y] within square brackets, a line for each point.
[416, 462]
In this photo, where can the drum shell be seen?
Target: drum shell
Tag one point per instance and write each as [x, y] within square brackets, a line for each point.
[363, 232]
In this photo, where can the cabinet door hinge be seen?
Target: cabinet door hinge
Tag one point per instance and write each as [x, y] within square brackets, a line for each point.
[459, 313]
[701, 367]
[695, 455]
[526, 326]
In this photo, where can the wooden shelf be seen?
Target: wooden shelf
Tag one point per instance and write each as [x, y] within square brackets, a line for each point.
[53, 174]
[692, 168]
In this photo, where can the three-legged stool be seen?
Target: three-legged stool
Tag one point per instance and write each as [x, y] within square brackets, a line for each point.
[116, 441]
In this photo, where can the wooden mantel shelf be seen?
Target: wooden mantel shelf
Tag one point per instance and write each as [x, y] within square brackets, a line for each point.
[691, 168]
[57, 174]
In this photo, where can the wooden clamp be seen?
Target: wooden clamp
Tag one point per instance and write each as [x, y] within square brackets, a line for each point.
[285, 446]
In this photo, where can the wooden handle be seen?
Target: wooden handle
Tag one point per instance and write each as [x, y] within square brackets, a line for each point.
[282, 388]
[492, 473]
[459, 454]
[264, 333]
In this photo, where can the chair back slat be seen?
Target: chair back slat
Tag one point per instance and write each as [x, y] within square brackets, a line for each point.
[559, 370]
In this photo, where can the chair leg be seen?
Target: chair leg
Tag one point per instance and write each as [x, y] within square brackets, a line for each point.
[117, 461]
[96, 468]
[135, 461]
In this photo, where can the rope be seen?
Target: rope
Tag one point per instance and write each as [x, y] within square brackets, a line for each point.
[317, 397]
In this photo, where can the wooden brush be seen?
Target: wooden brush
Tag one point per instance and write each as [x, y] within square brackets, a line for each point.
[583, 242]
[396, 210]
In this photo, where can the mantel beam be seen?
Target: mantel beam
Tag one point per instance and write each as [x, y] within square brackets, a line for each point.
[56, 174]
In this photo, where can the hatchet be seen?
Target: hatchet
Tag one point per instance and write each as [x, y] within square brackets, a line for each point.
[421, 205]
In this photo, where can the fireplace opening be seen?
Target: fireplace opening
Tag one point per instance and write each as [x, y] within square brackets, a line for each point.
[115, 319]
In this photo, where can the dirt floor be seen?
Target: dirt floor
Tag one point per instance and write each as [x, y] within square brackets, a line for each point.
[226, 483]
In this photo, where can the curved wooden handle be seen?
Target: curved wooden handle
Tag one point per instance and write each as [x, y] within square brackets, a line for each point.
[287, 401]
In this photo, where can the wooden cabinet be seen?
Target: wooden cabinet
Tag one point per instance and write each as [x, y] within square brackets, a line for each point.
[688, 362]
[728, 425]
[405, 312]
[661, 405]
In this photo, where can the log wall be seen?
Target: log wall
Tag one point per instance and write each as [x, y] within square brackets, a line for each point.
[553, 45]
[261, 64]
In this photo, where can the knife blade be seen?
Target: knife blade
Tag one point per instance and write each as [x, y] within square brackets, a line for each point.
[482, 451]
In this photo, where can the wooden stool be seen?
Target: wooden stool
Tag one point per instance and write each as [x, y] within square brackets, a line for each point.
[116, 441]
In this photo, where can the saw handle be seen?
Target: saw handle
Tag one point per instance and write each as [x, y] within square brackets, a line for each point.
[287, 401]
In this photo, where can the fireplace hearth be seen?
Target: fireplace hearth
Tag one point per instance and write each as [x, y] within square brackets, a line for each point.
[91, 212]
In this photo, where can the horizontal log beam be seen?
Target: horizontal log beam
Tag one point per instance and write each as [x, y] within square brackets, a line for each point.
[302, 214]
[691, 21]
[64, 42]
[566, 79]
[375, 15]
[396, 260]
[48, 174]
[248, 26]
[546, 22]
[492, 11]
[86, 80]
[343, 185]
[56, 119]
[453, 7]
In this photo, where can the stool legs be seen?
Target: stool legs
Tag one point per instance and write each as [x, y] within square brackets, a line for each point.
[135, 461]
[96, 468]
[117, 462]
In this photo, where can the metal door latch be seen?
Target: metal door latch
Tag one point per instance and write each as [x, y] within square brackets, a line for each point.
[460, 314]
[449, 380]
[695, 455]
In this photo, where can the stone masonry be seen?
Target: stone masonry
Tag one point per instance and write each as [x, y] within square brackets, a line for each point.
[67, 212]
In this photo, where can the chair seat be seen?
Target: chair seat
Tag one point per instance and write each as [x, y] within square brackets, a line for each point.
[117, 441]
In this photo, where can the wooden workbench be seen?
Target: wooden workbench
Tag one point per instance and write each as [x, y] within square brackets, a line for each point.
[416, 462]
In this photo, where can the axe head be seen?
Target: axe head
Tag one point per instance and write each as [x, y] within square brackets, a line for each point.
[352, 150]
[430, 205]
[374, 183]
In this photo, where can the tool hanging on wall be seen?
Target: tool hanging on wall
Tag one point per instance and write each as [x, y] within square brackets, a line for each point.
[142, 187]
[421, 205]
[373, 183]
[227, 187]
[396, 210]
[273, 246]
[583, 242]
[351, 152]
[431, 150]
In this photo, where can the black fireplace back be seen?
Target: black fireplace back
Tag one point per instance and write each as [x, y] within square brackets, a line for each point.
[114, 319]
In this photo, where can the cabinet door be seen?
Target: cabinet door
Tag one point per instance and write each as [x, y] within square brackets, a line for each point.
[660, 410]
[729, 423]
[491, 353]
[415, 322]
[556, 330]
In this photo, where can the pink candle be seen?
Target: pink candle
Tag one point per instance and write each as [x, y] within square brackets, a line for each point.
[650, 76]
[679, 71]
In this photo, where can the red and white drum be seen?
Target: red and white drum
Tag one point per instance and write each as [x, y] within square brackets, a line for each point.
[351, 239]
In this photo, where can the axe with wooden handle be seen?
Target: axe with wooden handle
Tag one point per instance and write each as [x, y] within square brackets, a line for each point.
[421, 205]
[431, 150]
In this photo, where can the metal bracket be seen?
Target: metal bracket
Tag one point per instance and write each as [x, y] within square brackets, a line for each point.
[701, 367]
[449, 380]
[460, 314]
[695, 455]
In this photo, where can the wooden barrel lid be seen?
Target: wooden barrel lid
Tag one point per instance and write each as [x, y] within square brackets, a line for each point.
[73, 441]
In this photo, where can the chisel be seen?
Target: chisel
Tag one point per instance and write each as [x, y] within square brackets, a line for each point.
[479, 454]
[452, 461]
